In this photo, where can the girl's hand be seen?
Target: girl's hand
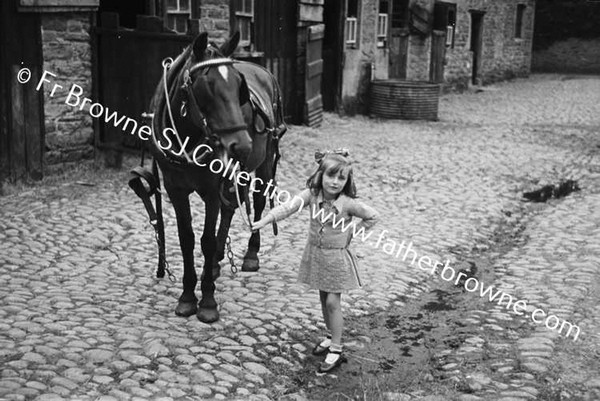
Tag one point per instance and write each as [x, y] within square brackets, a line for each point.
[257, 225]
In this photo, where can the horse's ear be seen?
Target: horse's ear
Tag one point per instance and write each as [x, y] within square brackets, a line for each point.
[229, 47]
[199, 45]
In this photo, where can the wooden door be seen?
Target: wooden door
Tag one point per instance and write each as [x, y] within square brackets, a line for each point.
[398, 53]
[127, 90]
[333, 54]
[438, 52]
[275, 36]
[476, 44]
[21, 105]
[399, 36]
[314, 71]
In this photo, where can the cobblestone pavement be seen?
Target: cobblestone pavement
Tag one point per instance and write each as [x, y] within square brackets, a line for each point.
[82, 316]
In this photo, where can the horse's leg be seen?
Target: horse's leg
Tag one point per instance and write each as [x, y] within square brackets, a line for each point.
[226, 216]
[207, 308]
[181, 203]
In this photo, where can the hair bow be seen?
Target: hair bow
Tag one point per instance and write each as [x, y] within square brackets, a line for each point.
[341, 151]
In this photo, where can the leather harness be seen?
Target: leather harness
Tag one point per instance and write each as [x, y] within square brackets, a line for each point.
[146, 183]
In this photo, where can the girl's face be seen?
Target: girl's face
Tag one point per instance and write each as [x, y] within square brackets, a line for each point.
[333, 183]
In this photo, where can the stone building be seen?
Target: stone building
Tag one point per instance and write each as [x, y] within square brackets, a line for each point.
[37, 131]
[456, 43]
[324, 54]
[567, 36]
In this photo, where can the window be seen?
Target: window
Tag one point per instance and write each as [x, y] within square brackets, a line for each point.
[178, 12]
[400, 14]
[382, 23]
[352, 23]
[444, 19]
[519, 21]
[244, 20]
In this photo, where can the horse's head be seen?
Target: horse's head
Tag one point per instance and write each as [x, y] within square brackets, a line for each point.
[213, 95]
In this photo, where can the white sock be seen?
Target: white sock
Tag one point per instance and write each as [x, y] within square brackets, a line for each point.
[326, 342]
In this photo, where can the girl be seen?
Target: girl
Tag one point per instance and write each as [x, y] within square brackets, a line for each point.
[327, 264]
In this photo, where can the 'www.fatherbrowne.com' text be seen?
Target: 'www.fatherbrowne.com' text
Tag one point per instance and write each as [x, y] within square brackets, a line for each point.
[471, 284]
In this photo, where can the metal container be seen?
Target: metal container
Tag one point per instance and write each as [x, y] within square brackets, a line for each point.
[407, 100]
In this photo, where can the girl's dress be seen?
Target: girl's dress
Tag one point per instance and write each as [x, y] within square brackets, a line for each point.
[327, 264]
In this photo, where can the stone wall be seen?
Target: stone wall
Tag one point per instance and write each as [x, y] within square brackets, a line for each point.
[503, 55]
[67, 53]
[567, 37]
[214, 18]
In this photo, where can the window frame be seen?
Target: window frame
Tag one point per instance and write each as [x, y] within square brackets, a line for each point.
[519, 19]
[241, 15]
[382, 34]
[177, 13]
[352, 25]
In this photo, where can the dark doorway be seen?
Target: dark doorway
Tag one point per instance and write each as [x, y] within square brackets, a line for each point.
[127, 10]
[333, 51]
[21, 105]
[476, 44]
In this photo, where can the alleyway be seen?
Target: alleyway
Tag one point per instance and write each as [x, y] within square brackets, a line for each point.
[82, 316]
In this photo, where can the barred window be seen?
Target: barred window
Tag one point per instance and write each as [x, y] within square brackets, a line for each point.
[178, 12]
[352, 25]
[244, 20]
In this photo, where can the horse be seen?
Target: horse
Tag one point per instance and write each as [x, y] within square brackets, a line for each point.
[227, 110]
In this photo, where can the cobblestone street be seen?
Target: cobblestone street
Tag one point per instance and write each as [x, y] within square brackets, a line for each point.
[83, 317]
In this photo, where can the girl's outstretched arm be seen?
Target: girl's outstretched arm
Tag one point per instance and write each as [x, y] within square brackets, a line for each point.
[295, 204]
[368, 215]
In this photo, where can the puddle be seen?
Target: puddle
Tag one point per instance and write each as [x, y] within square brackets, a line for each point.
[401, 348]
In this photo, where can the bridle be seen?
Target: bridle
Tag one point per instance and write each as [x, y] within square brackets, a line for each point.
[211, 136]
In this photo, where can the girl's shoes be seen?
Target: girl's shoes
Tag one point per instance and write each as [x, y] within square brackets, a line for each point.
[322, 347]
[332, 361]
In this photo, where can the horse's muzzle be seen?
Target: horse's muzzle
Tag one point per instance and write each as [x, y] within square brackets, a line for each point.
[239, 145]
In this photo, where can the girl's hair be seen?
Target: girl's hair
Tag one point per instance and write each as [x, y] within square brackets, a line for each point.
[332, 163]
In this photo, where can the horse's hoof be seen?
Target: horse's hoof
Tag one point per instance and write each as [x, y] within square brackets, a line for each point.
[186, 309]
[207, 315]
[250, 265]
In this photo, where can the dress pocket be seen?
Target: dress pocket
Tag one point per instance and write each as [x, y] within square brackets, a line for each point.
[353, 265]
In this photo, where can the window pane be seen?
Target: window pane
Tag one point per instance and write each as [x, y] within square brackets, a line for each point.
[247, 6]
[352, 10]
[184, 5]
[171, 22]
[172, 5]
[383, 7]
[399, 13]
[181, 23]
[244, 28]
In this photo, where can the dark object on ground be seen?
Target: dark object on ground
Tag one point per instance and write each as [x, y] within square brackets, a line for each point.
[549, 191]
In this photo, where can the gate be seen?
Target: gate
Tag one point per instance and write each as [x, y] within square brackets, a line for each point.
[438, 51]
[313, 105]
[398, 53]
[275, 29]
[129, 68]
[21, 106]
